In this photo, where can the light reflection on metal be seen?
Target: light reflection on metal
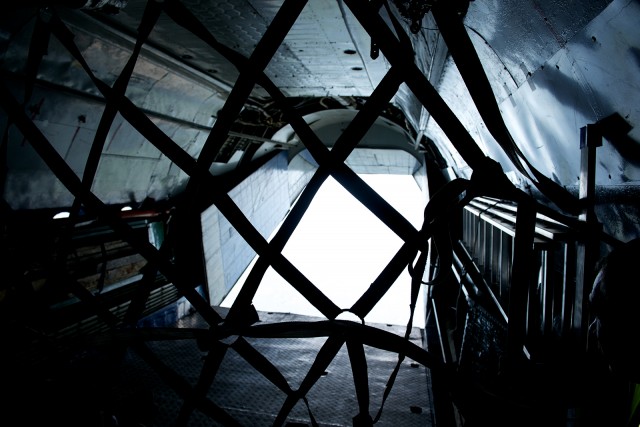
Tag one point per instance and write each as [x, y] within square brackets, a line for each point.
[61, 215]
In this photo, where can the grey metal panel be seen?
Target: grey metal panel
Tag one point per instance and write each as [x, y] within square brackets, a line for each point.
[212, 253]
[36, 189]
[264, 199]
[300, 173]
[379, 161]
[568, 88]
[178, 77]
[370, 161]
[131, 168]
[328, 125]
[523, 35]
[123, 180]
[581, 72]
[67, 108]
[311, 62]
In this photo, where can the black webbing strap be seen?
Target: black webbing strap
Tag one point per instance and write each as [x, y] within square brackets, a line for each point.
[368, 335]
[466, 59]
[384, 280]
[355, 335]
[183, 388]
[249, 288]
[251, 284]
[131, 336]
[223, 201]
[340, 171]
[278, 261]
[401, 350]
[38, 47]
[435, 220]
[326, 354]
[145, 286]
[437, 208]
[149, 18]
[128, 110]
[69, 179]
[182, 16]
[198, 393]
[344, 145]
[314, 423]
[437, 214]
[136, 338]
[267, 46]
[185, 18]
[359, 369]
[321, 153]
[404, 42]
[103, 268]
[367, 115]
[522, 278]
[261, 364]
[95, 302]
[373, 200]
[395, 52]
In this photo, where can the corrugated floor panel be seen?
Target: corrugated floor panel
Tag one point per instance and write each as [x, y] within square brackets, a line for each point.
[252, 400]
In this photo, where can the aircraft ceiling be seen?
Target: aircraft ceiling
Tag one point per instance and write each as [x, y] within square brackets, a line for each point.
[553, 67]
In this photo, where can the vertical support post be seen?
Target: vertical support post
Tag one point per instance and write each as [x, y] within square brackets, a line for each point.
[548, 290]
[590, 140]
[520, 281]
[587, 247]
[568, 287]
[506, 246]
[535, 306]
[495, 256]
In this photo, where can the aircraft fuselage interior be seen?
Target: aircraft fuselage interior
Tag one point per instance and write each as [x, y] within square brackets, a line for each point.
[158, 156]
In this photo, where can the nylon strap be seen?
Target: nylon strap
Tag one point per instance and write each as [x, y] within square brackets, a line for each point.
[344, 145]
[385, 279]
[340, 171]
[229, 209]
[308, 137]
[149, 18]
[249, 68]
[64, 173]
[262, 365]
[131, 113]
[435, 214]
[368, 335]
[326, 354]
[198, 393]
[182, 16]
[361, 381]
[183, 388]
[394, 52]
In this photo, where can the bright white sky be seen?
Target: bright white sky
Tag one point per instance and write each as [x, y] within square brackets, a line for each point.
[341, 247]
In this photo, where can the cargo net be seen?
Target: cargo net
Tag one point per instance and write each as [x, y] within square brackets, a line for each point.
[238, 328]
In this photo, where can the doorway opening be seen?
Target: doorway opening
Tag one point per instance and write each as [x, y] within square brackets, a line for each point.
[342, 247]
